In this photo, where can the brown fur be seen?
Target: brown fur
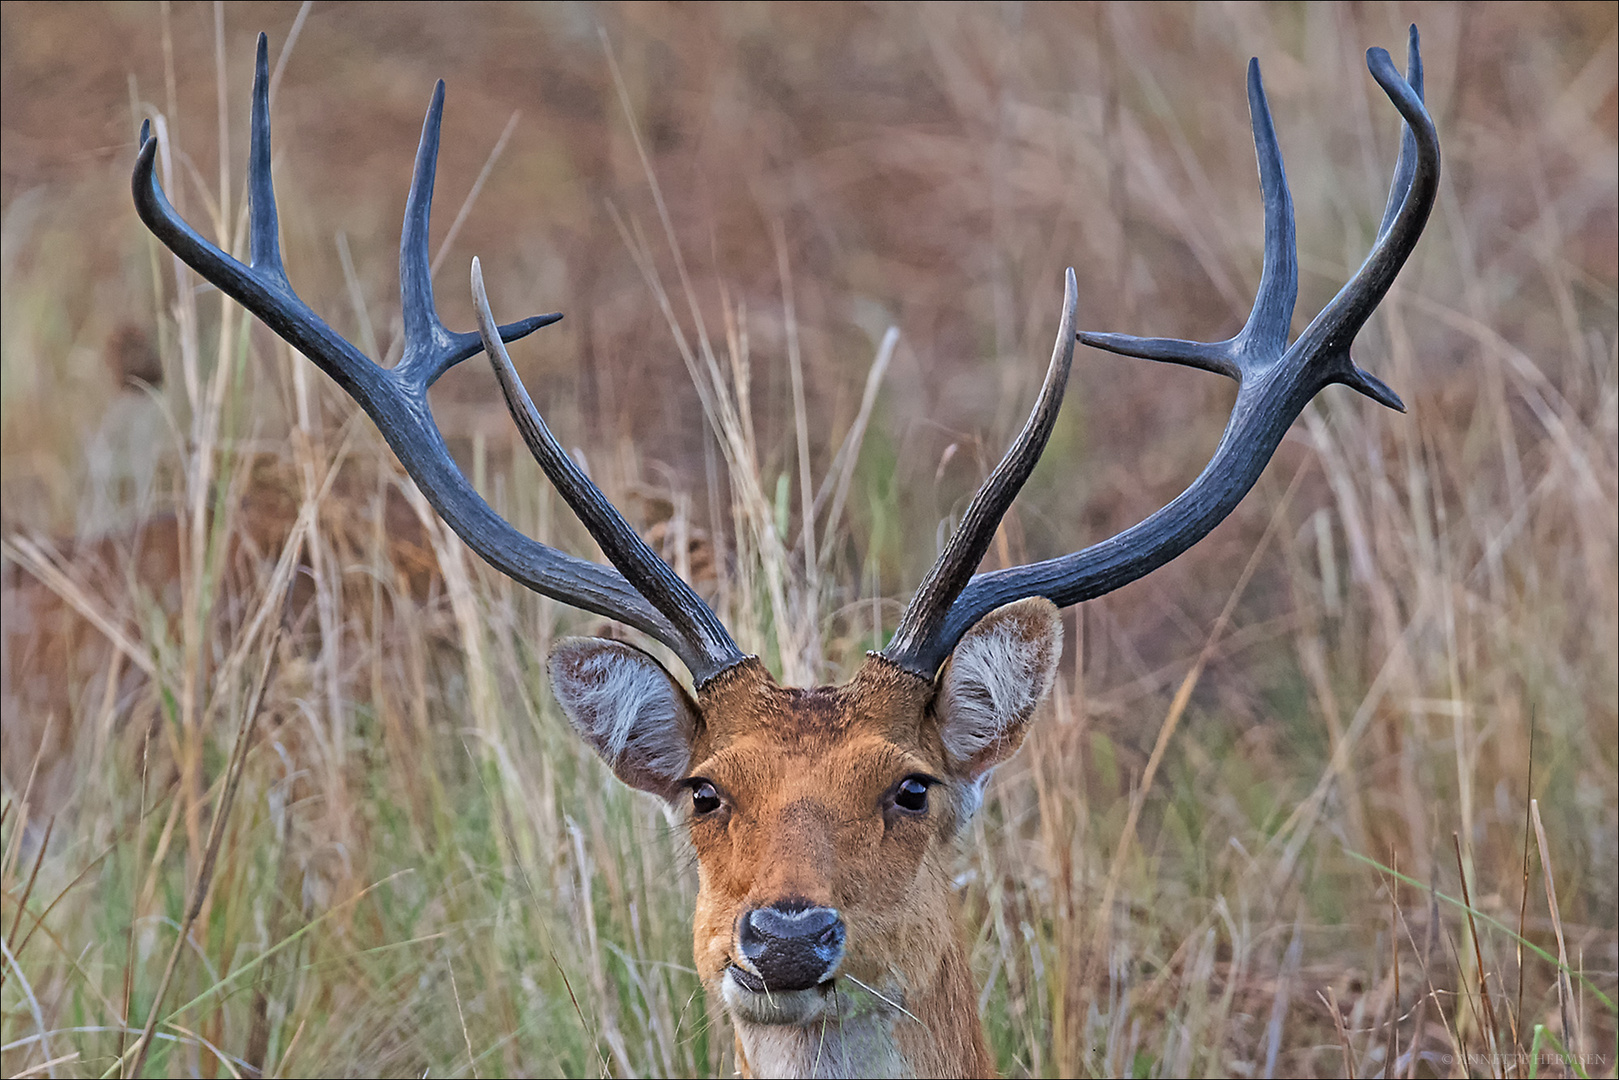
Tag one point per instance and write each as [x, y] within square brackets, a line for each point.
[806, 779]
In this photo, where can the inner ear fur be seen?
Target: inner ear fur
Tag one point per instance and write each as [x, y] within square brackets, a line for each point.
[996, 677]
[631, 711]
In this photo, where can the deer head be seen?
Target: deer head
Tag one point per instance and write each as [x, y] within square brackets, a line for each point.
[823, 818]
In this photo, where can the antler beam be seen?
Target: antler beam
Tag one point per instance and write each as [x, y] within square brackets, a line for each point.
[1275, 382]
[658, 604]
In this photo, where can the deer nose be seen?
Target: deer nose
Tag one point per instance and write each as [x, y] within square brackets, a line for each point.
[792, 947]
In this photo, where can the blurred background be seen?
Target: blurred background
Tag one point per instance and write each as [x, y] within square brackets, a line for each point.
[861, 214]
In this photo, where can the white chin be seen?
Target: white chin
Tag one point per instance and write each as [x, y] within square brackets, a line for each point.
[775, 1007]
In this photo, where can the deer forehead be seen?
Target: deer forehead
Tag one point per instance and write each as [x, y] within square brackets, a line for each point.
[745, 705]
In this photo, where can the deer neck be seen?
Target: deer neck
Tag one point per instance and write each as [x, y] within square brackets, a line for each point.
[931, 1032]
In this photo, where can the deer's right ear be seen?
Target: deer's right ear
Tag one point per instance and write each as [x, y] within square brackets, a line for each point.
[629, 709]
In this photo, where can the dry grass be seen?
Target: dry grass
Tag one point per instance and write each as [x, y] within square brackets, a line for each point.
[1294, 840]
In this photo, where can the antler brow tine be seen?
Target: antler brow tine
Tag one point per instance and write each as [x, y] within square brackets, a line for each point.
[965, 549]
[622, 545]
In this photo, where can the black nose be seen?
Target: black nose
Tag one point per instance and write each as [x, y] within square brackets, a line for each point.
[790, 946]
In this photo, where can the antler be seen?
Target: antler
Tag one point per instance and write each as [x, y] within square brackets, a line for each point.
[642, 592]
[1275, 383]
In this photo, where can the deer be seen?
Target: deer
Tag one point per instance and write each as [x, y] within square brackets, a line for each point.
[824, 818]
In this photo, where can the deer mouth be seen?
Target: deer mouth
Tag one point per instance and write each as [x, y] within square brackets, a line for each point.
[755, 984]
[750, 998]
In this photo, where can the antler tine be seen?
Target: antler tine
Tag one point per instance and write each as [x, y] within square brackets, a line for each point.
[1272, 316]
[431, 349]
[1405, 166]
[1275, 381]
[262, 289]
[422, 325]
[1331, 333]
[1264, 336]
[264, 240]
[711, 645]
[929, 607]
[396, 400]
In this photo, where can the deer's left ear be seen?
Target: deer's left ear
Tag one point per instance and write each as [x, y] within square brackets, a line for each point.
[998, 673]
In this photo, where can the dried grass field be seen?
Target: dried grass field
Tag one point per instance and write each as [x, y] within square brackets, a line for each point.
[1335, 792]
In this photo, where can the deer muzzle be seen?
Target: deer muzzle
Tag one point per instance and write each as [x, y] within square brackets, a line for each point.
[788, 947]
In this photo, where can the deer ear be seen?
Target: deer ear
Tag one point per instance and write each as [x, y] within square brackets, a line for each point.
[997, 674]
[628, 708]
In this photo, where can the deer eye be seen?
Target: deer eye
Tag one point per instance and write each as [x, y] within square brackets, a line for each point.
[705, 798]
[912, 795]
